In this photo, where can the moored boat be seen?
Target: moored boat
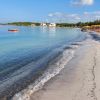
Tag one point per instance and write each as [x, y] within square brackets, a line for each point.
[13, 30]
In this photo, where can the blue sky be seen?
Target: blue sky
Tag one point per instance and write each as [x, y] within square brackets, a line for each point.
[49, 10]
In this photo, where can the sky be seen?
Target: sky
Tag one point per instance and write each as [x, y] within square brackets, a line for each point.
[49, 10]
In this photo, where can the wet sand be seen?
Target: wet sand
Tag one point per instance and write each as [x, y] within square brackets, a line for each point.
[79, 80]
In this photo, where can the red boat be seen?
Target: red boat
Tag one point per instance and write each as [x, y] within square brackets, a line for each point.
[13, 30]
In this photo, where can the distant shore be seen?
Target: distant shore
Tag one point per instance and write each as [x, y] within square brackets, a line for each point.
[58, 24]
[95, 28]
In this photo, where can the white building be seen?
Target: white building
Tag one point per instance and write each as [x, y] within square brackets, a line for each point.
[43, 24]
[52, 25]
[32, 25]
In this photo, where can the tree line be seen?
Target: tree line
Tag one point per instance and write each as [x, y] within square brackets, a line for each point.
[79, 24]
[23, 23]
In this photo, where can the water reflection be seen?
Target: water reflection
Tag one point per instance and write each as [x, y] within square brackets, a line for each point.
[51, 31]
[44, 29]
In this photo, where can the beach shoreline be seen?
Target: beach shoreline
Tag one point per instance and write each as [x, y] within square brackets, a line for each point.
[30, 68]
[79, 80]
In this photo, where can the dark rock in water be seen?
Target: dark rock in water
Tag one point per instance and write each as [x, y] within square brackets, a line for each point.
[83, 29]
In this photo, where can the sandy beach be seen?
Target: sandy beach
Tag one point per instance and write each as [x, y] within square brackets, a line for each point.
[79, 80]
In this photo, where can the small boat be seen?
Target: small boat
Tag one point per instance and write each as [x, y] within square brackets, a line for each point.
[13, 30]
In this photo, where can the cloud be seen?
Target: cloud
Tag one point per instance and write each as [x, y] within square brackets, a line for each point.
[92, 15]
[67, 17]
[50, 15]
[56, 14]
[82, 2]
[63, 17]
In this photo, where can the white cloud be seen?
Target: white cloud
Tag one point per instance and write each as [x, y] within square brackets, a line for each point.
[82, 2]
[50, 15]
[65, 17]
[97, 17]
[56, 14]
[94, 15]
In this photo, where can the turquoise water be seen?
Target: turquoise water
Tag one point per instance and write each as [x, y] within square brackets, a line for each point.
[21, 52]
[35, 38]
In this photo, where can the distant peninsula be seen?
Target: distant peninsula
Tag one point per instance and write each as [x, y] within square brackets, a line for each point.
[93, 26]
[79, 24]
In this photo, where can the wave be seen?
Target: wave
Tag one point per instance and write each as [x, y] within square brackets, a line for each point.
[54, 68]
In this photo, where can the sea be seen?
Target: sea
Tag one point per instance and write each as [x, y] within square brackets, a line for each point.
[32, 56]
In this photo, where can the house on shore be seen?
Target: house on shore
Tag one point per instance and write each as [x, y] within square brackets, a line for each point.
[43, 24]
[32, 25]
[52, 25]
[48, 24]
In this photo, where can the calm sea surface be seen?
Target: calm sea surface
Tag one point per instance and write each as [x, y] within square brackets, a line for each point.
[21, 53]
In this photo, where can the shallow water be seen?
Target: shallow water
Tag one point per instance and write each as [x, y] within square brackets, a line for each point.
[24, 55]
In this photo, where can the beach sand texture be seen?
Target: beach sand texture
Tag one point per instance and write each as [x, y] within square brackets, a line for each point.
[79, 80]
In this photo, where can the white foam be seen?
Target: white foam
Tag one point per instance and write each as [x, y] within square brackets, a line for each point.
[53, 70]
